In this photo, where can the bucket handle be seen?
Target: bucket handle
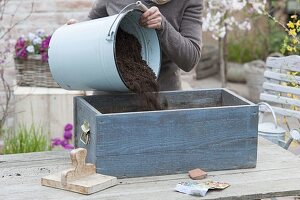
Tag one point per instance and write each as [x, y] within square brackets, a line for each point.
[272, 111]
[138, 4]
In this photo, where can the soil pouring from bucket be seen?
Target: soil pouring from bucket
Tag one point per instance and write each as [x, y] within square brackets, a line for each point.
[135, 72]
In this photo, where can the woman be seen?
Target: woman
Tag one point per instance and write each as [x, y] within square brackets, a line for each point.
[179, 28]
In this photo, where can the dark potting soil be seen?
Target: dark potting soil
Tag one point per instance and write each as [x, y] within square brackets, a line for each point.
[135, 72]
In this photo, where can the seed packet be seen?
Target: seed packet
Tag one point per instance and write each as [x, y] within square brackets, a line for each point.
[192, 188]
[216, 185]
[199, 189]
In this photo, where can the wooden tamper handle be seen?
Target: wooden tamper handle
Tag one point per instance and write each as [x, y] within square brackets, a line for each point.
[80, 168]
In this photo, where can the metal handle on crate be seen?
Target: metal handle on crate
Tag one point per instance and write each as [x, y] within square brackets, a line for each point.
[272, 111]
[85, 133]
[138, 4]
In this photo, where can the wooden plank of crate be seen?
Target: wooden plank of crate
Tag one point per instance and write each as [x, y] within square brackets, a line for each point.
[84, 112]
[193, 99]
[230, 98]
[140, 140]
[116, 103]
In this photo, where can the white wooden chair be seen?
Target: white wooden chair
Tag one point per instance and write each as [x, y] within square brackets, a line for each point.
[278, 91]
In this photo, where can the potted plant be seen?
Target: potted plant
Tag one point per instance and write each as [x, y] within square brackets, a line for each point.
[31, 60]
[255, 69]
[244, 49]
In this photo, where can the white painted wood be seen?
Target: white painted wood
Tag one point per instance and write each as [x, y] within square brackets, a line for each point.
[290, 63]
[279, 99]
[282, 77]
[281, 88]
[283, 112]
[51, 108]
[277, 174]
[282, 66]
[43, 91]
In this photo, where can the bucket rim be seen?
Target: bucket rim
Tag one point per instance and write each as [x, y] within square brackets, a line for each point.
[114, 44]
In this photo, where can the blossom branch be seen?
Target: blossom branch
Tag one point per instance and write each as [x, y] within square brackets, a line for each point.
[18, 22]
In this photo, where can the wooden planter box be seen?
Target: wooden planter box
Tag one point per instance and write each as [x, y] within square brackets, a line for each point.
[208, 129]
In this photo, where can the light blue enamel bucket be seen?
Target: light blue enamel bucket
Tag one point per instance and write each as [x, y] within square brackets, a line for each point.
[82, 56]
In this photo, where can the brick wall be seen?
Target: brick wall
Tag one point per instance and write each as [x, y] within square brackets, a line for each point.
[46, 14]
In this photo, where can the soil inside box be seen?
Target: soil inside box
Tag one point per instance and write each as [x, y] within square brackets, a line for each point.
[135, 72]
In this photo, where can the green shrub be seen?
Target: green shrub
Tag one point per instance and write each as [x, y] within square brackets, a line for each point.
[276, 38]
[246, 48]
[258, 43]
[25, 140]
[242, 52]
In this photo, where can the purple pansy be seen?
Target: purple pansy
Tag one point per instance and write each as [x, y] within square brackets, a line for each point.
[22, 53]
[20, 43]
[39, 42]
[45, 44]
[21, 48]
[44, 48]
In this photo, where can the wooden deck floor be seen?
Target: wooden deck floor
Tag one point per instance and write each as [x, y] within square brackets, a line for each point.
[277, 174]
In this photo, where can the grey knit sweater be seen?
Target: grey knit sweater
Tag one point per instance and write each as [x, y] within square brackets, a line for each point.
[180, 36]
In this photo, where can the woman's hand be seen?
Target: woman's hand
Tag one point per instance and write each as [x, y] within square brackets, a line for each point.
[152, 18]
[72, 21]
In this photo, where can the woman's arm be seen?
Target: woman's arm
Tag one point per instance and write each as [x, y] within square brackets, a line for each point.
[98, 10]
[183, 47]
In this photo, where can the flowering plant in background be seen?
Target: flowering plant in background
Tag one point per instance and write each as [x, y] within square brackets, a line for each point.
[220, 19]
[291, 43]
[67, 137]
[34, 44]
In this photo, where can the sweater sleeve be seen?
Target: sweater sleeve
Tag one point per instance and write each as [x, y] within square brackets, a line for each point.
[184, 47]
[98, 10]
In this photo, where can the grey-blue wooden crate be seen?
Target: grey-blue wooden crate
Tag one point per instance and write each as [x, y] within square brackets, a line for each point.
[209, 129]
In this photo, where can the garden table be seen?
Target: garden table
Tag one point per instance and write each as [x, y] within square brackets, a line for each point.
[277, 174]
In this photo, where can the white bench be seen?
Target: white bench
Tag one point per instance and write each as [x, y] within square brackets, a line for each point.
[275, 88]
[278, 90]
